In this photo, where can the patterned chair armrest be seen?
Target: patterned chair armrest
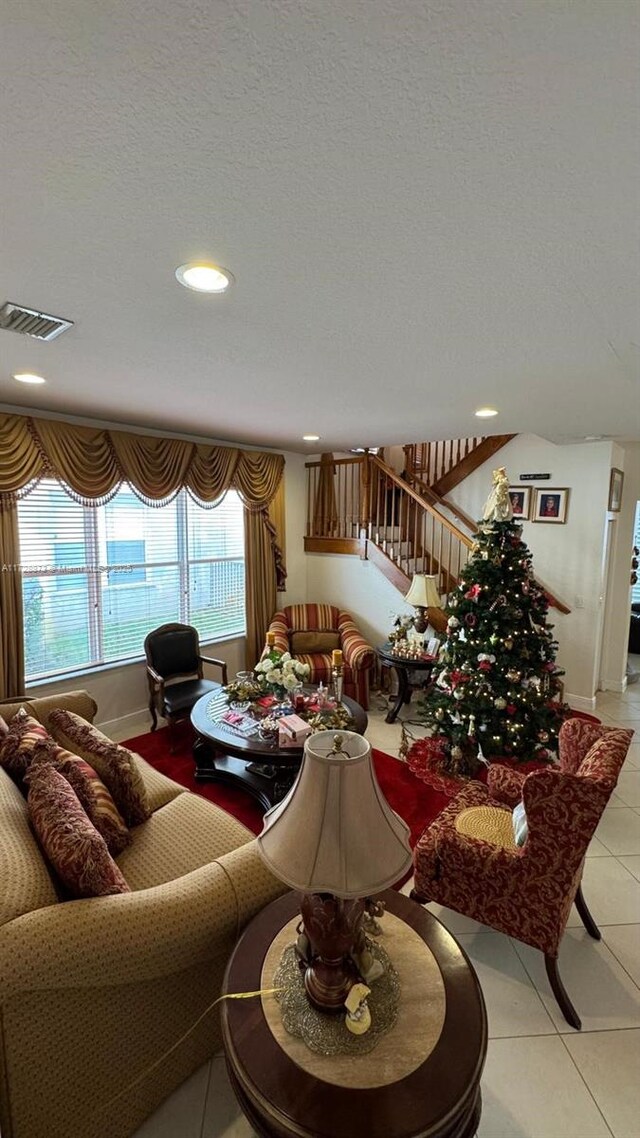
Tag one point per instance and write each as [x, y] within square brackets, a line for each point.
[505, 784]
[358, 654]
[475, 856]
[281, 629]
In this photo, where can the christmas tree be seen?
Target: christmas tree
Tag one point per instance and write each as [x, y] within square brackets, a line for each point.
[496, 674]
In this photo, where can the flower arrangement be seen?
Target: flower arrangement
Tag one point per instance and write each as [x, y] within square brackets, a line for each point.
[279, 673]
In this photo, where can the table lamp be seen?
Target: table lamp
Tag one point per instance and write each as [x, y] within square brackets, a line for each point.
[336, 840]
[423, 595]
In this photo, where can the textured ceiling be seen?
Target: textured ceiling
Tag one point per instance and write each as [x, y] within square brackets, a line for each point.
[426, 206]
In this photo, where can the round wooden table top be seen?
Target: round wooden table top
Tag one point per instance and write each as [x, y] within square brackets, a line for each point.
[387, 655]
[439, 1098]
[206, 715]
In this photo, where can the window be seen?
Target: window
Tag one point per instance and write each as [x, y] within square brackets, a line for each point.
[96, 580]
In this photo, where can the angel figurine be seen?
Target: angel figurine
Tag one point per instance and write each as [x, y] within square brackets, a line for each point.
[498, 507]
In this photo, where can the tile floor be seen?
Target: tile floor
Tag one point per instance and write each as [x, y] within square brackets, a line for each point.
[542, 1079]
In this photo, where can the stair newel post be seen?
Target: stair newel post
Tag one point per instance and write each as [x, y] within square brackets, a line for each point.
[365, 494]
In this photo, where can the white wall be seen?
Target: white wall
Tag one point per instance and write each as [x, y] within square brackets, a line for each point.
[616, 633]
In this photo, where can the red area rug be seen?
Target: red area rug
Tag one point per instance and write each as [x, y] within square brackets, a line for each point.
[416, 801]
[425, 760]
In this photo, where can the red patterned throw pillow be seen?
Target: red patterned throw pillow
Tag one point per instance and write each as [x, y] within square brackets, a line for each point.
[90, 789]
[115, 765]
[75, 849]
[16, 747]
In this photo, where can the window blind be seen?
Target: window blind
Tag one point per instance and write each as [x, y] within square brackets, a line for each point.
[96, 580]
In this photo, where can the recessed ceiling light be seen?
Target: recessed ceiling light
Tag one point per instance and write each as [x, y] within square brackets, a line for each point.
[486, 412]
[204, 278]
[310, 438]
[28, 377]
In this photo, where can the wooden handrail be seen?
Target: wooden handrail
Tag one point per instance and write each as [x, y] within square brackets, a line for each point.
[352, 514]
[397, 481]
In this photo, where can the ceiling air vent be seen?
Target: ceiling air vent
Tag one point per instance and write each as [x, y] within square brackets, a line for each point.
[30, 322]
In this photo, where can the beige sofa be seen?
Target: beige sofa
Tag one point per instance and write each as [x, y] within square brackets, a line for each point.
[93, 993]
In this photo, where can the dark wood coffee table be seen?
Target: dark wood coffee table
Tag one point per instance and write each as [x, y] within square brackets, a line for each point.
[438, 1098]
[403, 668]
[259, 767]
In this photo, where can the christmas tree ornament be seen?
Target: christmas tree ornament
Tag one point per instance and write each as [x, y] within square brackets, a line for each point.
[439, 713]
[508, 643]
[499, 703]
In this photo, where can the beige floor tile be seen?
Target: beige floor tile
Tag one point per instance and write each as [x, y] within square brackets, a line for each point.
[596, 849]
[624, 942]
[619, 831]
[182, 1112]
[609, 1062]
[456, 923]
[604, 996]
[513, 1005]
[223, 1117]
[611, 892]
[531, 1089]
[632, 863]
[628, 788]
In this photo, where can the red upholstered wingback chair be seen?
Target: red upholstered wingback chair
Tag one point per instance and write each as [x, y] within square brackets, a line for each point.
[525, 891]
[326, 627]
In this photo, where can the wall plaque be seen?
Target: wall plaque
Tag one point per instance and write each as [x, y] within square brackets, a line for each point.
[533, 477]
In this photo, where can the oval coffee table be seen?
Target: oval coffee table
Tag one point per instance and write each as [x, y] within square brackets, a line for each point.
[261, 768]
[424, 1081]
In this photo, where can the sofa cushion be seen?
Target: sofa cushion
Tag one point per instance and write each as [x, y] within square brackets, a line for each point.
[25, 880]
[92, 793]
[41, 707]
[115, 764]
[314, 641]
[16, 747]
[184, 835]
[75, 849]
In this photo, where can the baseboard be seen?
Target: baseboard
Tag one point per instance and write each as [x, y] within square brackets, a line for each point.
[616, 685]
[127, 725]
[580, 702]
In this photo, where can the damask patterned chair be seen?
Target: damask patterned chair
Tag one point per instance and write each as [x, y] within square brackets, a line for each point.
[311, 632]
[468, 859]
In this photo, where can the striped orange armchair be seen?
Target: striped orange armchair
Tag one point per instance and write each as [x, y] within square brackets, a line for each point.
[311, 632]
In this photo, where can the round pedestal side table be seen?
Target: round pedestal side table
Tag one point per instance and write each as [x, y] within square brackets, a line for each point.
[422, 1080]
[406, 669]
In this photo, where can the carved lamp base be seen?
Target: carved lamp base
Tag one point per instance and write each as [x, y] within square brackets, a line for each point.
[332, 933]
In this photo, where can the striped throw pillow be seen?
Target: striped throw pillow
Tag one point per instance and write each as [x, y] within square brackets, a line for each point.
[90, 789]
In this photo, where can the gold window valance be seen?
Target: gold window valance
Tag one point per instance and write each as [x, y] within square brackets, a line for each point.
[93, 462]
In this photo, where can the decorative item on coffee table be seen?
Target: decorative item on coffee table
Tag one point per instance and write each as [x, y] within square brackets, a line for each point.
[313, 841]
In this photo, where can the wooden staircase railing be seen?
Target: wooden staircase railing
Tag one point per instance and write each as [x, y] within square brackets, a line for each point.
[359, 505]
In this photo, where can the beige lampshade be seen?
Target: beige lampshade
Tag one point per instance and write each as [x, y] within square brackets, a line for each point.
[335, 831]
[423, 591]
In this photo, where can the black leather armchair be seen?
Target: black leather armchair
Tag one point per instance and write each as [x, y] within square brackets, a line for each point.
[175, 672]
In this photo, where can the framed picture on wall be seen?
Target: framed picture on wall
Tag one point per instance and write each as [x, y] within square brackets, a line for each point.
[550, 505]
[615, 490]
[520, 502]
